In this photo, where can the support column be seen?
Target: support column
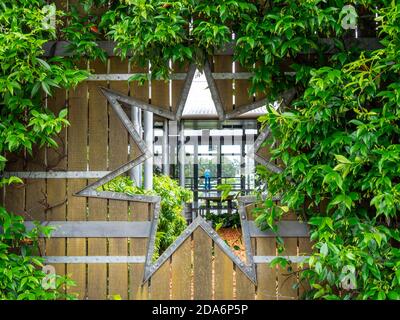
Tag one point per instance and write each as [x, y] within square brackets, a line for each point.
[196, 179]
[135, 172]
[243, 163]
[181, 155]
[165, 149]
[149, 139]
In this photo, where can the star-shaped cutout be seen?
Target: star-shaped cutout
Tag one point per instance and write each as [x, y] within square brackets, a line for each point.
[116, 101]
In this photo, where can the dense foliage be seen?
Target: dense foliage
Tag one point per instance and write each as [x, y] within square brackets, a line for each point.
[173, 197]
[25, 80]
[21, 275]
[338, 142]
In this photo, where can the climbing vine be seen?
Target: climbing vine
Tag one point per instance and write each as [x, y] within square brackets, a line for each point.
[26, 78]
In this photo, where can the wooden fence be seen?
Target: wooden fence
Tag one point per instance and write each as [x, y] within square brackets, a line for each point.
[95, 143]
[105, 261]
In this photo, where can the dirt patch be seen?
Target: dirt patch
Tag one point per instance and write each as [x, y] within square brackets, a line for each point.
[233, 237]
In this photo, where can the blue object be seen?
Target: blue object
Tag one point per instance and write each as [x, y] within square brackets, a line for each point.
[207, 179]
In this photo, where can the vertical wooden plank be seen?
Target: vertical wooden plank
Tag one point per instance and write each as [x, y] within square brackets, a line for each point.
[35, 189]
[285, 282]
[223, 275]
[242, 87]
[77, 160]
[139, 211]
[245, 289]
[266, 276]
[160, 282]
[57, 188]
[138, 247]
[202, 245]
[177, 85]
[305, 249]
[118, 210]
[225, 87]
[97, 208]
[182, 272]
[160, 93]
[14, 198]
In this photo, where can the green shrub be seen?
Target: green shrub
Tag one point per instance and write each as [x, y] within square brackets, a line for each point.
[25, 79]
[339, 143]
[171, 222]
[21, 273]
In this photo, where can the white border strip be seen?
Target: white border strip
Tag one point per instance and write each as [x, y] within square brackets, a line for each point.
[95, 259]
[268, 259]
[55, 174]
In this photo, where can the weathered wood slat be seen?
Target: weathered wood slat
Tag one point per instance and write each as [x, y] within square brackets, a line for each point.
[223, 275]
[57, 189]
[242, 96]
[266, 276]
[97, 208]
[160, 282]
[138, 246]
[95, 260]
[202, 247]
[77, 160]
[285, 229]
[245, 289]
[182, 272]
[97, 229]
[35, 190]
[118, 210]
[286, 281]
[305, 248]
[225, 87]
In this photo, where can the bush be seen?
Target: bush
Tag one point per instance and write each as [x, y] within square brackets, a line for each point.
[339, 143]
[21, 274]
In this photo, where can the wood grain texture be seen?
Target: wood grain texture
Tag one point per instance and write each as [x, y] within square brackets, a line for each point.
[242, 87]
[181, 272]
[177, 86]
[57, 188]
[77, 160]
[118, 210]
[225, 87]
[245, 289]
[305, 248]
[137, 291]
[97, 208]
[266, 276]
[286, 280]
[223, 275]
[202, 247]
[35, 189]
[160, 282]
[14, 195]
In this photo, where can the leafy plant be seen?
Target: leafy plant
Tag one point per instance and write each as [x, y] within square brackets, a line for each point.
[21, 274]
[26, 78]
[339, 149]
[224, 220]
[171, 221]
